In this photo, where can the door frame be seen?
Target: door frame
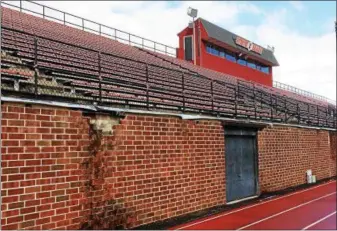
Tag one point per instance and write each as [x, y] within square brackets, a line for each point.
[245, 131]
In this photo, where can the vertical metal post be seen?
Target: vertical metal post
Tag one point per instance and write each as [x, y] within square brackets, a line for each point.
[20, 5]
[254, 94]
[309, 112]
[271, 107]
[326, 116]
[298, 113]
[64, 18]
[100, 29]
[35, 68]
[115, 34]
[334, 117]
[99, 77]
[317, 115]
[285, 109]
[183, 89]
[82, 23]
[43, 11]
[129, 39]
[154, 47]
[142, 43]
[147, 86]
[236, 92]
[212, 95]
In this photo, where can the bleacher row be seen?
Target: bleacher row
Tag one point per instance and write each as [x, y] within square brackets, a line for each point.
[52, 60]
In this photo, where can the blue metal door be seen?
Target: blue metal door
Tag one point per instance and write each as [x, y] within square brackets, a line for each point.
[241, 164]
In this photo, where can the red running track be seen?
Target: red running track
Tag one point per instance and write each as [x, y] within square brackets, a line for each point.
[312, 208]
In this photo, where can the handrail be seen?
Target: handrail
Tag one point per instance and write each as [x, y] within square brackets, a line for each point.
[243, 91]
[168, 50]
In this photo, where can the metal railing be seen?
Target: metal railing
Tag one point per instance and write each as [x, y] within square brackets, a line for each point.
[298, 91]
[47, 12]
[67, 72]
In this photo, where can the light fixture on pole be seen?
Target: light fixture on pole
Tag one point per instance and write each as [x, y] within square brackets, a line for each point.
[193, 13]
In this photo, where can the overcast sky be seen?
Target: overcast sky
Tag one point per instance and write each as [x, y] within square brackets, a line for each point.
[301, 32]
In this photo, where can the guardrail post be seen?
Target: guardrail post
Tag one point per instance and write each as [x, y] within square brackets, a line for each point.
[129, 39]
[20, 5]
[326, 116]
[82, 23]
[212, 96]
[183, 89]
[43, 11]
[64, 18]
[236, 92]
[254, 94]
[334, 117]
[147, 86]
[100, 29]
[99, 77]
[298, 113]
[309, 112]
[317, 115]
[271, 107]
[35, 68]
[285, 109]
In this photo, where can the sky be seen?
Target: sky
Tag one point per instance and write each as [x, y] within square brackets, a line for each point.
[302, 32]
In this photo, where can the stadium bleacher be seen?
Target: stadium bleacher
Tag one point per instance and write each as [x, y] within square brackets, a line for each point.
[45, 58]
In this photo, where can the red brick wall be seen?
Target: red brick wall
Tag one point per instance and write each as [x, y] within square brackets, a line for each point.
[286, 153]
[158, 167]
[41, 176]
[56, 170]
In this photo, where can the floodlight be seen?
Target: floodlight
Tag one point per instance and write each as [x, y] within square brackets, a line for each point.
[192, 12]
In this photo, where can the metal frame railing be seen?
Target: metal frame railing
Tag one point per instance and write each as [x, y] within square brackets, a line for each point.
[90, 76]
[298, 91]
[116, 34]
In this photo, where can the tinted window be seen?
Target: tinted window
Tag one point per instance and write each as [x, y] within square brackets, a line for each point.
[230, 58]
[265, 69]
[188, 48]
[251, 65]
[242, 62]
[221, 52]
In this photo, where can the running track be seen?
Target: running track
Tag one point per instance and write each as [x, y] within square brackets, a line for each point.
[311, 209]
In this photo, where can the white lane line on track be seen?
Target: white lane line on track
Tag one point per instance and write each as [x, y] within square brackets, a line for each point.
[320, 220]
[285, 211]
[254, 205]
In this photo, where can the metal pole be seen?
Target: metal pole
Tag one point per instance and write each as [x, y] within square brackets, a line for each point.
[99, 77]
[212, 96]
[20, 5]
[147, 87]
[183, 88]
[35, 67]
[236, 91]
[43, 11]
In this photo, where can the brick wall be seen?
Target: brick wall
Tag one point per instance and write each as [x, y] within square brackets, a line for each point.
[286, 153]
[57, 171]
[158, 167]
[41, 178]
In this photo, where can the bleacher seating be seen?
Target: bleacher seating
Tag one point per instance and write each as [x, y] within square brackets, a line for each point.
[73, 64]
